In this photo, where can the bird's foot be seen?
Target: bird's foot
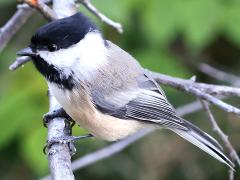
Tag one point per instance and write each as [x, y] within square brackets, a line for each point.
[65, 140]
[58, 113]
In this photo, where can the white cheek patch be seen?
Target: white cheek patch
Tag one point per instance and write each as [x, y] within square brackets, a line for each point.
[86, 56]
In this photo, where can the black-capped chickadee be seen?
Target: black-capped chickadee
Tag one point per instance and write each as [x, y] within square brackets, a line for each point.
[103, 88]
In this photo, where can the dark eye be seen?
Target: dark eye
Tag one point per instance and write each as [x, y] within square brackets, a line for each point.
[52, 47]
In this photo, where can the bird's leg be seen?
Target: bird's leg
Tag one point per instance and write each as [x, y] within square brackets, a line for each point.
[61, 113]
[66, 140]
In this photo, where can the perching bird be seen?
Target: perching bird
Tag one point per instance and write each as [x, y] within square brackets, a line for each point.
[103, 88]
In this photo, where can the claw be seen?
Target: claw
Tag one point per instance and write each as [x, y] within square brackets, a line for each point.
[54, 114]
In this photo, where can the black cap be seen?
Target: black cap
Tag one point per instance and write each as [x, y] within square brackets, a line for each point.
[62, 33]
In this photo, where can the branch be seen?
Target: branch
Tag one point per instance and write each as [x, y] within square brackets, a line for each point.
[199, 90]
[183, 83]
[47, 12]
[220, 133]
[14, 24]
[189, 108]
[223, 136]
[20, 61]
[219, 75]
[109, 150]
[59, 157]
[102, 17]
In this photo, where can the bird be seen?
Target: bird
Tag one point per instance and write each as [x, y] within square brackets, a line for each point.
[103, 88]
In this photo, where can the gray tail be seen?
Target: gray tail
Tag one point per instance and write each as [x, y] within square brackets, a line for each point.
[204, 141]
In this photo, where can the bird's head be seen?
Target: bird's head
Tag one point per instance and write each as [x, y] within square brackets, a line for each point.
[66, 45]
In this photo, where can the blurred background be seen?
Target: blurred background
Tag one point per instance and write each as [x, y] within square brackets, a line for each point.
[172, 37]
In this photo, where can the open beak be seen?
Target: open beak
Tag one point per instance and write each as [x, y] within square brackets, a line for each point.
[26, 52]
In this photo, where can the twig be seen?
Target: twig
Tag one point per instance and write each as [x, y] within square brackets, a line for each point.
[219, 75]
[65, 8]
[109, 150]
[195, 89]
[220, 133]
[183, 83]
[231, 174]
[14, 24]
[102, 17]
[47, 12]
[20, 61]
[226, 107]
[224, 138]
[189, 108]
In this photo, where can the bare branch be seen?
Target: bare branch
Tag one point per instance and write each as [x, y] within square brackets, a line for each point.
[195, 89]
[14, 24]
[231, 174]
[102, 17]
[59, 157]
[219, 75]
[220, 133]
[226, 107]
[47, 12]
[189, 108]
[65, 8]
[183, 83]
[20, 61]
[224, 138]
[109, 150]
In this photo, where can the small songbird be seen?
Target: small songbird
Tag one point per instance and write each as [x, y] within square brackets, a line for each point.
[103, 88]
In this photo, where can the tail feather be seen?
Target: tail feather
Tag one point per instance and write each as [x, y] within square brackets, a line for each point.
[204, 141]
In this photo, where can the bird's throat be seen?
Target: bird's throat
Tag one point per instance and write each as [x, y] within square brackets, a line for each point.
[53, 74]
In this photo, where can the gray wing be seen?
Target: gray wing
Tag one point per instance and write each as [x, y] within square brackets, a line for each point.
[145, 103]
[139, 97]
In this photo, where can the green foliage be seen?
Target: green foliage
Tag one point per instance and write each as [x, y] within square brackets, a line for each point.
[32, 150]
[162, 61]
[5, 2]
[199, 21]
